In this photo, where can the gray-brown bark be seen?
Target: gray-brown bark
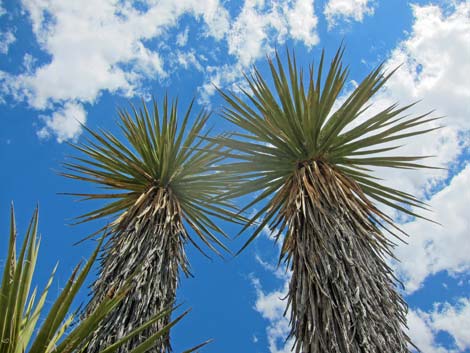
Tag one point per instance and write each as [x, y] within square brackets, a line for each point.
[342, 296]
[148, 238]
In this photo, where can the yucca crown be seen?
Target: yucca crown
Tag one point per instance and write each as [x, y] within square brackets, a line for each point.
[160, 151]
[294, 124]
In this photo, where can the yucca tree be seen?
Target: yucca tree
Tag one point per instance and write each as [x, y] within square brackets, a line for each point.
[309, 165]
[161, 181]
[21, 309]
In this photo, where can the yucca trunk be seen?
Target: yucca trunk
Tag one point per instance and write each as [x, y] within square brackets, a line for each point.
[149, 240]
[342, 296]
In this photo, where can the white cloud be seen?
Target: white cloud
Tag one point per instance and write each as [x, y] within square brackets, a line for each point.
[28, 62]
[422, 334]
[262, 24]
[347, 10]
[96, 47]
[101, 47]
[452, 319]
[64, 123]
[248, 36]
[436, 60]
[6, 39]
[259, 27]
[271, 306]
[104, 47]
[455, 320]
[302, 21]
[433, 248]
[216, 17]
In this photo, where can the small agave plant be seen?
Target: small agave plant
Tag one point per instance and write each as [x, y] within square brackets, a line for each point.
[21, 309]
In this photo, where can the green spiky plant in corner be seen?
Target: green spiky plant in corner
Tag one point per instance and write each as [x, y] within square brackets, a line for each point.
[162, 181]
[310, 166]
[20, 309]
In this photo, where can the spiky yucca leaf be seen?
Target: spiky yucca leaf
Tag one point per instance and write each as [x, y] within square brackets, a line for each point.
[160, 176]
[19, 315]
[310, 166]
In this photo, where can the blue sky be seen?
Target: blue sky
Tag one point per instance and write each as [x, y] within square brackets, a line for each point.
[63, 63]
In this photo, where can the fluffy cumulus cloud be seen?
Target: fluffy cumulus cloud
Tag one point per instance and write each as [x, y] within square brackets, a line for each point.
[254, 32]
[451, 319]
[271, 306]
[65, 123]
[96, 47]
[348, 10]
[433, 248]
[302, 22]
[262, 24]
[248, 36]
[433, 59]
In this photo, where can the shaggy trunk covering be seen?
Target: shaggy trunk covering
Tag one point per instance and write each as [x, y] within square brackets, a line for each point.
[149, 240]
[342, 296]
